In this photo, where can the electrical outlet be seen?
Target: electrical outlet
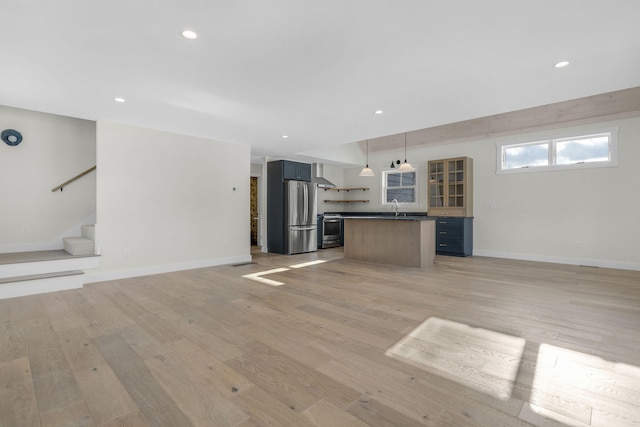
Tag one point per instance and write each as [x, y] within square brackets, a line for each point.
[25, 229]
[579, 244]
[493, 205]
[127, 252]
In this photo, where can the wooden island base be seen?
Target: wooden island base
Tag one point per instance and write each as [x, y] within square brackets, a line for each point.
[403, 242]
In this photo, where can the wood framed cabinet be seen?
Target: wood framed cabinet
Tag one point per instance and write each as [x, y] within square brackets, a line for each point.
[450, 187]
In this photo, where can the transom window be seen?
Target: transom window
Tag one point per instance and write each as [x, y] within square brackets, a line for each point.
[562, 153]
[400, 186]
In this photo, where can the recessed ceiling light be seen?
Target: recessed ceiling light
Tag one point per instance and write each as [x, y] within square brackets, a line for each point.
[561, 64]
[378, 112]
[188, 34]
[285, 136]
[118, 99]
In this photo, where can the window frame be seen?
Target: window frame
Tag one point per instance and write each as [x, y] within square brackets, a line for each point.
[612, 133]
[384, 188]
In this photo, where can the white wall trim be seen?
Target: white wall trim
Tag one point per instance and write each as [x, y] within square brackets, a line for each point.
[560, 260]
[159, 269]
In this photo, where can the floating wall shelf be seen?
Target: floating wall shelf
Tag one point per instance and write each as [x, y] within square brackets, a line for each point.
[347, 189]
[346, 201]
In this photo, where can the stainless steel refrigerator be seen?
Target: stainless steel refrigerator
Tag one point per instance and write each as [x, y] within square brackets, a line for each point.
[300, 217]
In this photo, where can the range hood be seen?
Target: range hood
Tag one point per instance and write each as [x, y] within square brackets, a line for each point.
[317, 174]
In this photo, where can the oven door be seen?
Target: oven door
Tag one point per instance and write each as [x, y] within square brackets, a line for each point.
[331, 232]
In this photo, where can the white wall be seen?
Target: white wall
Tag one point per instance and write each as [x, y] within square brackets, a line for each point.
[541, 216]
[169, 202]
[336, 176]
[53, 150]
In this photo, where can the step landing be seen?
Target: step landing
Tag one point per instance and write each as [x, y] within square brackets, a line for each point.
[29, 273]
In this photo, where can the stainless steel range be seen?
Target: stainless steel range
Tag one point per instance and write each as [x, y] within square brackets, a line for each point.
[331, 230]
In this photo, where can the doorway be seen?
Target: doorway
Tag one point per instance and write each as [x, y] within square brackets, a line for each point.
[253, 219]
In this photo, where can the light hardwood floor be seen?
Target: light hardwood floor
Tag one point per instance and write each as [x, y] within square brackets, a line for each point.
[468, 341]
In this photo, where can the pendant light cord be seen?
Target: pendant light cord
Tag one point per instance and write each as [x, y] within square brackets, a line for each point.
[367, 153]
[405, 147]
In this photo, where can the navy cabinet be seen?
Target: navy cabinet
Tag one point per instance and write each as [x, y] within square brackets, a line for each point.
[295, 171]
[454, 236]
[278, 172]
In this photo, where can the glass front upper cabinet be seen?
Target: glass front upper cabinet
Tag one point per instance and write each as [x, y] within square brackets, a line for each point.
[450, 187]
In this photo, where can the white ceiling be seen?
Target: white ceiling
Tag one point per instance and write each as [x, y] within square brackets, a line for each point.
[314, 70]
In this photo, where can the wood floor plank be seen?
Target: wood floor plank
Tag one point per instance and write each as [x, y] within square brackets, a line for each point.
[398, 395]
[104, 394]
[294, 384]
[219, 347]
[79, 349]
[218, 374]
[265, 410]
[373, 413]
[150, 397]
[126, 304]
[222, 311]
[54, 384]
[74, 414]
[102, 318]
[283, 338]
[323, 413]
[12, 344]
[204, 405]
[17, 397]
[133, 419]
[66, 319]
[158, 328]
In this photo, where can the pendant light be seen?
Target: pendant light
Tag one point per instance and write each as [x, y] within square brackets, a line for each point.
[367, 170]
[406, 166]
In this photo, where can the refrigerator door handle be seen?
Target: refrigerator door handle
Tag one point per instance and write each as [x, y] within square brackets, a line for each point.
[306, 204]
[311, 227]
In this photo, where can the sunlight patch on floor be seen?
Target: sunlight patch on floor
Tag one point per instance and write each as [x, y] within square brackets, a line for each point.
[307, 264]
[484, 360]
[575, 388]
[258, 276]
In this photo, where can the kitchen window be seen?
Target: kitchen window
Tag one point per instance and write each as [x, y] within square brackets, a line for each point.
[400, 186]
[596, 150]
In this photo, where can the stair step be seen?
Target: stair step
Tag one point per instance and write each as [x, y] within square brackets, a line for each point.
[40, 283]
[44, 262]
[89, 232]
[39, 276]
[79, 245]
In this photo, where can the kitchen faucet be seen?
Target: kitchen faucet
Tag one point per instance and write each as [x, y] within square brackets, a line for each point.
[394, 206]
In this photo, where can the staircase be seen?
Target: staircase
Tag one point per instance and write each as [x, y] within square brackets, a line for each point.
[82, 245]
[29, 273]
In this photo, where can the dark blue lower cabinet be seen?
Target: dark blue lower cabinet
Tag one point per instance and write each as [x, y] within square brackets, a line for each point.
[454, 236]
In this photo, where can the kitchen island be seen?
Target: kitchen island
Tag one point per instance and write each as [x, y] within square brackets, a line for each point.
[408, 241]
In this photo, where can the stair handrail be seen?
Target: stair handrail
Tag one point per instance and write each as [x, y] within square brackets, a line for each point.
[80, 175]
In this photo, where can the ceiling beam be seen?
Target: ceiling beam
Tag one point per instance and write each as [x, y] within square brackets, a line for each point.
[591, 109]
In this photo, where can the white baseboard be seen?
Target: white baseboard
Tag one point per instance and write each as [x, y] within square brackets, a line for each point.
[619, 265]
[94, 277]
